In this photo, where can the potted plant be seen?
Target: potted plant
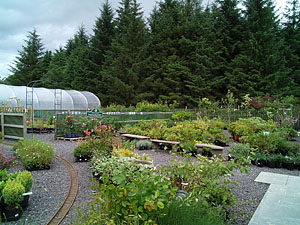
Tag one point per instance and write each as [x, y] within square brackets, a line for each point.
[189, 147]
[288, 163]
[13, 196]
[261, 159]
[270, 161]
[278, 158]
[35, 154]
[83, 152]
[239, 151]
[26, 179]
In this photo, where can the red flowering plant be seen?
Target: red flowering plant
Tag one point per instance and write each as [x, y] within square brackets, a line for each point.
[6, 161]
[100, 137]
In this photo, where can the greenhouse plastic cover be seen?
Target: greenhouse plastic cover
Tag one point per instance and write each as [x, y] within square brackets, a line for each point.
[44, 99]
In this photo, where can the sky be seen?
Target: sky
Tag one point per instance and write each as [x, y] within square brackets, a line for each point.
[55, 21]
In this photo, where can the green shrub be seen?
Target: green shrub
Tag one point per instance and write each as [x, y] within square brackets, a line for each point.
[188, 147]
[205, 177]
[181, 116]
[114, 166]
[137, 198]
[83, 150]
[25, 178]
[193, 211]
[271, 143]
[240, 150]
[12, 193]
[144, 145]
[35, 154]
[129, 145]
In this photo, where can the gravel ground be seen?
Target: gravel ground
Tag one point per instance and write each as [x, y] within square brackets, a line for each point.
[50, 186]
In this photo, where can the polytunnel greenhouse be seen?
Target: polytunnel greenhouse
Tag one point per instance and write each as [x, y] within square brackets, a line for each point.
[43, 99]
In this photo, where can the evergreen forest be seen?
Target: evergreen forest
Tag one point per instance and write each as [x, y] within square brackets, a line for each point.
[184, 51]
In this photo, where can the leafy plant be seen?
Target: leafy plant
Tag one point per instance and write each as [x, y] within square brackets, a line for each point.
[188, 147]
[137, 198]
[191, 211]
[144, 145]
[25, 178]
[114, 166]
[35, 153]
[206, 177]
[83, 150]
[240, 150]
[12, 193]
[181, 116]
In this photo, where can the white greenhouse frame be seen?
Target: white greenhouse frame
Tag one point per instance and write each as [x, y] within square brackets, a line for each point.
[46, 99]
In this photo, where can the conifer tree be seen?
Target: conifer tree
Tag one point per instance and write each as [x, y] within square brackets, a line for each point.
[55, 77]
[79, 69]
[104, 30]
[28, 64]
[291, 34]
[126, 62]
[260, 68]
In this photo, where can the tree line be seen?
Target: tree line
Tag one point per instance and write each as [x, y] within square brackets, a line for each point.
[182, 52]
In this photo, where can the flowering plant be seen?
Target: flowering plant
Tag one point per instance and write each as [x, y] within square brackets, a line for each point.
[34, 153]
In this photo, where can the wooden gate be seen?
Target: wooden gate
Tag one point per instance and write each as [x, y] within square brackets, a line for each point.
[13, 124]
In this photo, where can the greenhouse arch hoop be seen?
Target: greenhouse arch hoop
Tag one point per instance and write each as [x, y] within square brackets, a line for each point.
[43, 99]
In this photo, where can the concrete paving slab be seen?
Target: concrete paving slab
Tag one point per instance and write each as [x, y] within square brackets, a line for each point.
[293, 181]
[281, 203]
[272, 178]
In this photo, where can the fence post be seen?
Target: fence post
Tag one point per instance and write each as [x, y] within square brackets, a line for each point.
[2, 125]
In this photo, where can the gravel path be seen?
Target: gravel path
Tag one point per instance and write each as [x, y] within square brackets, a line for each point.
[50, 186]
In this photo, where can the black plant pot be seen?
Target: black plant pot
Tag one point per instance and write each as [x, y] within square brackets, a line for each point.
[271, 164]
[96, 175]
[25, 202]
[82, 159]
[289, 165]
[181, 194]
[220, 143]
[260, 163]
[45, 167]
[278, 164]
[11, 214]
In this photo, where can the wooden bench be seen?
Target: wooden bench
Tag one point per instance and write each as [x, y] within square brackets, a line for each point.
[215, 150]
[125, 137]
[156, 142]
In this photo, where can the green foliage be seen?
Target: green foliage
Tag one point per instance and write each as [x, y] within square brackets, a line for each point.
[249, 126]
[240, 150]
[118, 108]
[35, 154]
[83, 150]
[25, 178]
[12, 193]
[193, 211]
[271, 143]
[205, 177]
[144, 145]
[28, 65]
[137, 198]
[181, 116]
[129, 145]
[113, 166]
[188, 147]
[155, 107]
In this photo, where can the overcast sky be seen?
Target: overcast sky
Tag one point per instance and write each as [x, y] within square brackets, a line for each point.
[56, 21]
